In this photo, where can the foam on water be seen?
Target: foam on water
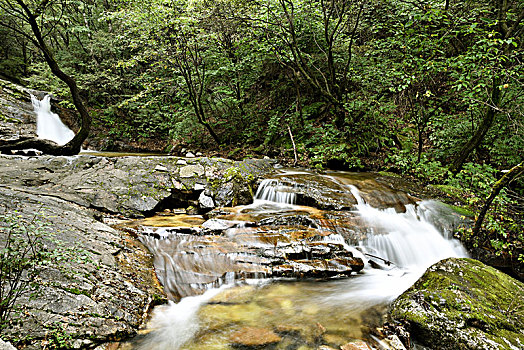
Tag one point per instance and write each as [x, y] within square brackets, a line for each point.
[406, 239]
[174, 324]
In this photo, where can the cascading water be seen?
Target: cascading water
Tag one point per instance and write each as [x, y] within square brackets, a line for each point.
[402, 244]
[184, 314]
[406, 239]
[48, 124]
[274, 191]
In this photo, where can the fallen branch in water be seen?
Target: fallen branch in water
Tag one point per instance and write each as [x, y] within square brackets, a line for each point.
[387, 262]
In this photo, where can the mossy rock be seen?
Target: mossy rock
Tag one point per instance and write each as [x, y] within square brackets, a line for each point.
[466, 212]
[463, 304]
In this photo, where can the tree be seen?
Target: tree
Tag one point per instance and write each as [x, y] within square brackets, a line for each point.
[31, 13]
[505, 180]
[316, 41]
[495, 49]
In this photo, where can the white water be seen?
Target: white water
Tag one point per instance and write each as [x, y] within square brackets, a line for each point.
[174, 324]
[273, 191]
[409, 240]
[48, 124]
[406, 239]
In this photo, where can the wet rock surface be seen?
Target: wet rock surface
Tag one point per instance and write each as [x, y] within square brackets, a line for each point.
[331, 192]
[463, 304]
[253, 337]
[108, 296]
[105, 295]
[17, 119]
[279, 316]
[133, 186]
[189, 262]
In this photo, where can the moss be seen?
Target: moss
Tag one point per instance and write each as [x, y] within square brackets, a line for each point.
[464, 211]
[5, 118]
[458, 299]
[77, 291]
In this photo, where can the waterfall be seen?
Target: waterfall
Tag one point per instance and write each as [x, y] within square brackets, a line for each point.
[165, 336]
[48, 124]
[274, 191]
[406, 239]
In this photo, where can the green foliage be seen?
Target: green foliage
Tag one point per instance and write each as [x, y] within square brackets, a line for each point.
[353, 80]
[503, 225]
[57, 337]
[406, 162]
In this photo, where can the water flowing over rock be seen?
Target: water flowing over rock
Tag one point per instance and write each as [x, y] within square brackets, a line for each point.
[365, 255]
[331, 192]
[326, 232]
[464, 304]
[48, 124]
[109, 295]
[252, 337]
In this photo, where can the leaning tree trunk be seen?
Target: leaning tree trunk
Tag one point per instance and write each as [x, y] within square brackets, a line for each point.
[482, 130]
[497, 187]
[46, 146]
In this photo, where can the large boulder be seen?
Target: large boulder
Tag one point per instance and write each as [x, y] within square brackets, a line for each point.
[17, 119]
[331, 192]
[135, 186]
[100, 293]
[463, 304]
[105, 297]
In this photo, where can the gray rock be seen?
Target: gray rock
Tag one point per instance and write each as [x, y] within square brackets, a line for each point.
[191, 171]
[190, 155]
[102, 296]
[17, 119]
[181, 162]
[128, 185]
[160, 168]
[205, 202]
[218, 224]
[6, 346]
[199, 187]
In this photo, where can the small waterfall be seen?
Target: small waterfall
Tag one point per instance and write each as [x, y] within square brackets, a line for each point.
[164, 335]
[274, 191]
[406, 239]
[48, 124]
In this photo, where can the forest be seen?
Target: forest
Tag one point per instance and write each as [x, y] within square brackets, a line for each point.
[431, 90]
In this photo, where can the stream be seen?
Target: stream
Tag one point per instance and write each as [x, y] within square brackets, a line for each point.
[283, 272]
[313, 261]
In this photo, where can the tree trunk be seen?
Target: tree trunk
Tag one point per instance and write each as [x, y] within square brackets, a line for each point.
[46, 146]
[497, 187]
[482, 130]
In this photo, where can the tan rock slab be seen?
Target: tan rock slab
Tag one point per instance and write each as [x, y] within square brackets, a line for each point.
[253, 336]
